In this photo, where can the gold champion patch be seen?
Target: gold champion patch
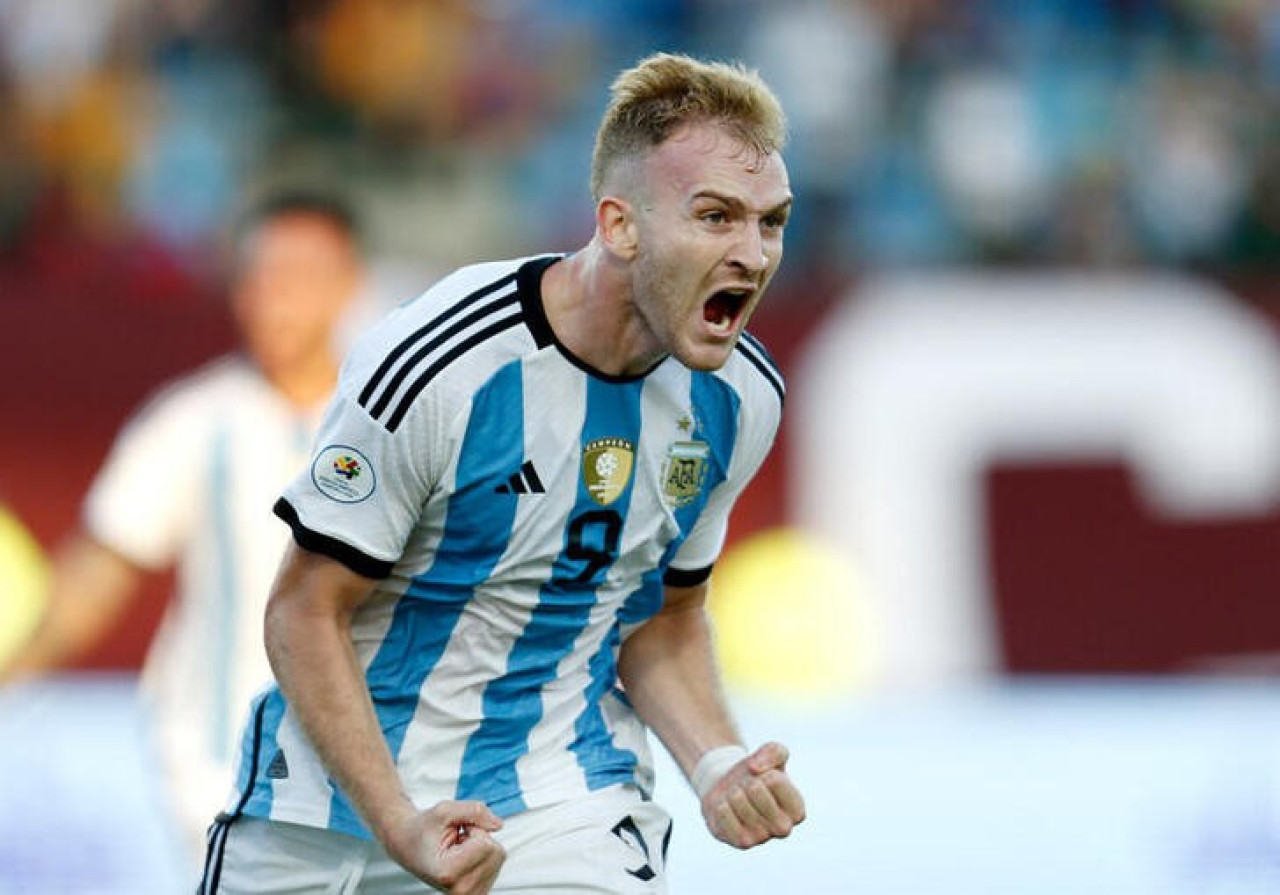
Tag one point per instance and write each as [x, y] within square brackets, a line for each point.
[606, 468]
[683, 470]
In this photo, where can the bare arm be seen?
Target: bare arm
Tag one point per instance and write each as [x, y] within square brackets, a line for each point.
[308, 641]
[669, 670]
[89, 588]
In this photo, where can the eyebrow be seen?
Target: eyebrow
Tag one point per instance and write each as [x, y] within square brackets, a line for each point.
[738, 205]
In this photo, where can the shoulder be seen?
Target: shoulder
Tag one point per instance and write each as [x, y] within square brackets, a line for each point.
[754, 374]
[192, 394]
[184, 411]
[447, 341]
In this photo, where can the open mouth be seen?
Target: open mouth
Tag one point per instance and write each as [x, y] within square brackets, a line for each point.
[723, 309]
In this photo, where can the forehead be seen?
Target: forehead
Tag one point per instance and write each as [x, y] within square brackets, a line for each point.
[707, 158]
[294, 234]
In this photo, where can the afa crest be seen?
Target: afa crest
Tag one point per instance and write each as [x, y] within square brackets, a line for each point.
[606, 468]
[683, 471]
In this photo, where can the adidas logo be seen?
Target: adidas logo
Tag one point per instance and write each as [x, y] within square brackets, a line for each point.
[279, 768]
[525, 481]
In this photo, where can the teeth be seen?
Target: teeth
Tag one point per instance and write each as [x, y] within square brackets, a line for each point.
[723, 307]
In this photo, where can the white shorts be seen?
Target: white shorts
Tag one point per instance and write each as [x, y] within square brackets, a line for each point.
[612, 842]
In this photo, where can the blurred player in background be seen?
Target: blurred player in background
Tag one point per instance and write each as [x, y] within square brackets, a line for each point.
[189, 484]
[515, 503]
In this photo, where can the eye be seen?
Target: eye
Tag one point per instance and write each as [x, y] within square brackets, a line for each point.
[714, 216]
[775, 221]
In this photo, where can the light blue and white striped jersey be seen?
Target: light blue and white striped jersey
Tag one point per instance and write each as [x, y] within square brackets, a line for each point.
[522, 512]
[189, 483]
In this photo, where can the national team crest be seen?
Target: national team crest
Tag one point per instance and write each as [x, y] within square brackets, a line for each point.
[606, 468]
[683, 471]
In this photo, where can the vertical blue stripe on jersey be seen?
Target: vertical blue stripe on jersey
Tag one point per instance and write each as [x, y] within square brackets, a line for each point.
[715, 406]
[265, 745]
[513, 702]
[477, 528]
[601, 761]
[228, 589]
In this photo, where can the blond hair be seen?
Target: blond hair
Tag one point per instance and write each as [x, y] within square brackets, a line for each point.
[666, 91]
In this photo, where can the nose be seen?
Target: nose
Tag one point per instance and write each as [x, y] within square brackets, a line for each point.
[747, 252]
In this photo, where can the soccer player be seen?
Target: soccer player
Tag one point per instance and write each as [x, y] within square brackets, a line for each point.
[503, 541]
[189, 483]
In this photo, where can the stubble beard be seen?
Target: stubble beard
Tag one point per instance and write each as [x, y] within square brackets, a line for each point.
[663, 307]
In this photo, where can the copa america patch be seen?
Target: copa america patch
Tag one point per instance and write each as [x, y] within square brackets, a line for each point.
[343, 474]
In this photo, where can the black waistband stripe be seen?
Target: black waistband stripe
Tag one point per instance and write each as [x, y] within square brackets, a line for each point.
[217, 837]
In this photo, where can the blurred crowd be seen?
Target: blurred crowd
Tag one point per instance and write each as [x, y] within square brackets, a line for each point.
[925, 132]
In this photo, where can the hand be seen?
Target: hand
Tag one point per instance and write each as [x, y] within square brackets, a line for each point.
[755, 801]
[449, 846]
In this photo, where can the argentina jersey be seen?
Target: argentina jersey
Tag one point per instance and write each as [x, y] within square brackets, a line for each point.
[520, 513]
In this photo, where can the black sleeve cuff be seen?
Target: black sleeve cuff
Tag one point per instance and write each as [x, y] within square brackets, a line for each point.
[353, 559]
[686, 577]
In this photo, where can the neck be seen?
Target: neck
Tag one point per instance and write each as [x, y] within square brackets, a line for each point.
[304, 385]
[589, 304]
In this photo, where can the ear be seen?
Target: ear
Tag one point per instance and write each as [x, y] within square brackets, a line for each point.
[616, 223]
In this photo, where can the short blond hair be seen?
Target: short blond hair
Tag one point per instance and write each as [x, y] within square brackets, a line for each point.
[666, 91]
